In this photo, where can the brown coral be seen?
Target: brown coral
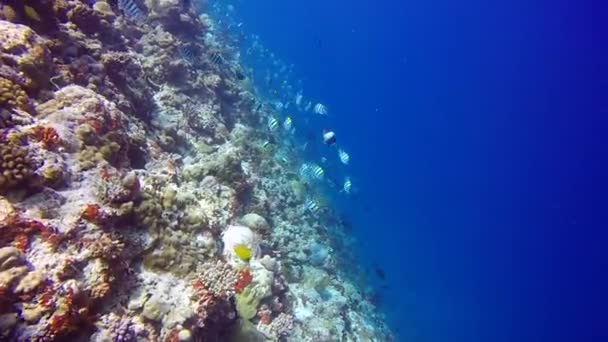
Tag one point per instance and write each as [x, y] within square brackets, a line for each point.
[15, 166]
[12, 95]
[105, 247]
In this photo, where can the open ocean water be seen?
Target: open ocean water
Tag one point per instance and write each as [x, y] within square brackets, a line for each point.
[476, 132]
[310, 171]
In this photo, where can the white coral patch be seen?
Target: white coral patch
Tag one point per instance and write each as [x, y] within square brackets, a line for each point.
[239, 235]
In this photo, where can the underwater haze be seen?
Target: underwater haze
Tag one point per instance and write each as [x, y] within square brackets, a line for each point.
[303, 171]
[474, 129]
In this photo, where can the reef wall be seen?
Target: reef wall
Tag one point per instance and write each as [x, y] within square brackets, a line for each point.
[137, 198]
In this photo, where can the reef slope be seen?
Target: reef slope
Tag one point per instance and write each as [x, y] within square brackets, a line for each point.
[134, 177]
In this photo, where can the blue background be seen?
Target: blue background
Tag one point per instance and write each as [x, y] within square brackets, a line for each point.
[477, 132]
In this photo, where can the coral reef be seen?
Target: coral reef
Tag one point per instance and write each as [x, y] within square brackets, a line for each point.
[132, 169]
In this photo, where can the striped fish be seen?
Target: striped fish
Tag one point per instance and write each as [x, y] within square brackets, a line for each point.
[317, 172]
[312, 205]
[273, 123]
[320, 109]
[216, 58]
[130, 10]
[304, 170]
[186, 54]
[344, 157]
[347, 185]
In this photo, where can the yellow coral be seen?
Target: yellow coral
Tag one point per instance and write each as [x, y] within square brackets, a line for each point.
[247, 303]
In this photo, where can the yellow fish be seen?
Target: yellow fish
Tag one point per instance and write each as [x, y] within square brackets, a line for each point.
[31, 13]
[243, 252]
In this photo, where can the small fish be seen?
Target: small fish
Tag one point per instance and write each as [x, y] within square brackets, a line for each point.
[130, 10]
[312, 205]
[216, 58]
[320, 109]
[265, 144]
[347, 185]
[243, 252]
[238, 73]
[186, 54]
[344, 157]
[298, 99]
[304, 170]
[31, 13]
[258, 108]
[380, 273]
[273, 123]
[308, 105]
[329, 137]
[317, 171]
[287, 124]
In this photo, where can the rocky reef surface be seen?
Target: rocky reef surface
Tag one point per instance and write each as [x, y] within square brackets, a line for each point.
[132, 167]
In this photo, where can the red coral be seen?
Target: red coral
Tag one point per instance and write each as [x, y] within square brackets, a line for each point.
[15, 227]
[173, 336]
[243, 280]
[198, 285]
[47, 136]
[93, 213]
[21, 242]
[61, 325]
[47, 297]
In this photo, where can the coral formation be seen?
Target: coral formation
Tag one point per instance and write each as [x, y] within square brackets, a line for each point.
[140, 197]
[16, 167]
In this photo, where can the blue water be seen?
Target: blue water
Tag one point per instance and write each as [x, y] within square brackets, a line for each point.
[477, 134]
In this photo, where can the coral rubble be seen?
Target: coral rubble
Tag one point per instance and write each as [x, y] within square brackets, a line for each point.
[126, 157]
